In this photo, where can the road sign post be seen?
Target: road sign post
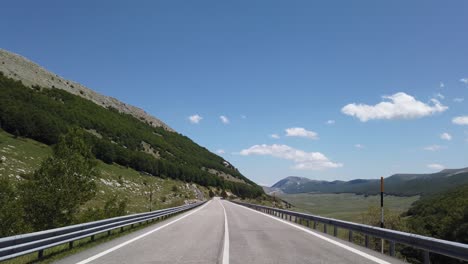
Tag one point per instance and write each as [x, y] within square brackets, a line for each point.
[381, 211]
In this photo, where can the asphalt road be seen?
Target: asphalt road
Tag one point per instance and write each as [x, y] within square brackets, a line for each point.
[223, 232]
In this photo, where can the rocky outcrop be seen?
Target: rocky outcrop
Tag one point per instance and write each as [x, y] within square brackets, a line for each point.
[29, 73]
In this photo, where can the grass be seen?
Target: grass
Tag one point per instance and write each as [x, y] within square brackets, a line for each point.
[345, 206]
[21, 156]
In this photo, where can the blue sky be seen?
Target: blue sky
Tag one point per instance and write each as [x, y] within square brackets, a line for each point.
[269, 66]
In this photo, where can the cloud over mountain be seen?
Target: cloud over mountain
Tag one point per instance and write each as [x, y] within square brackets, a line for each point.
[303, 160]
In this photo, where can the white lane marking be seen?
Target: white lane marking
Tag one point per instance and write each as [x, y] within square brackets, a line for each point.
[226, 237]
[363, 254]
[138, 237]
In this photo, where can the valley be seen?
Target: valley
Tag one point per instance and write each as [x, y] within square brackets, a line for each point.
[345, 206]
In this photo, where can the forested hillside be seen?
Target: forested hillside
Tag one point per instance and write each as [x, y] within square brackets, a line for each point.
[45, 114]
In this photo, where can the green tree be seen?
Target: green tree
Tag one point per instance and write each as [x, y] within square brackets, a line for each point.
[54, 193]
[11, 213]
[224, 194]
[211, 193]
[443, 215]
[115, 207]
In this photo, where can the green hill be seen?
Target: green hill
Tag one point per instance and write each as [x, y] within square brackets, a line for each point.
[43, 114]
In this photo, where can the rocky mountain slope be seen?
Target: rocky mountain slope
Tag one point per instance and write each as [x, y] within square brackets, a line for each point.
[40, 105]
[397, 184]
[29, 73]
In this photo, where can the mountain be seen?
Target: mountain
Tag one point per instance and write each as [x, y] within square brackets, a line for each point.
[29, 73]
[40, 105]
[398, 184]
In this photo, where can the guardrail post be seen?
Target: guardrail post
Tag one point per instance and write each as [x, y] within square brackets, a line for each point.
[325, 228]
[108, 233]
[70, 245]
[335, 231]
[315, 224]
[427, 259]
[40, 253]
[350, 236]
[392, 248]
[290, 217]
[308, 223]
[366, 241]
[92, 238]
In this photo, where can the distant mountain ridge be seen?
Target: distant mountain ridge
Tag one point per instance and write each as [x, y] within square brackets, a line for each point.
[397, 184]
[29, 73]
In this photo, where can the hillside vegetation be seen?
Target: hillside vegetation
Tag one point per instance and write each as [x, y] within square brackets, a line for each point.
[45, 114]
[119, 190]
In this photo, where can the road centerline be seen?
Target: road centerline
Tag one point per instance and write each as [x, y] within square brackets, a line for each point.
[139, 237]
[226, 237]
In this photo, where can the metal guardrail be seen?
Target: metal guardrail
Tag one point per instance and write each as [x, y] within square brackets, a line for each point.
[15, 246]
[427, 244]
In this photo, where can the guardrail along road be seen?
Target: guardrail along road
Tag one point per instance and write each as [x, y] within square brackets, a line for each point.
[220, 231]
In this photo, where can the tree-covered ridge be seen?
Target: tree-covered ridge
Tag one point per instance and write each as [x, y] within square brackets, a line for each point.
[444, 215]
[45, 114]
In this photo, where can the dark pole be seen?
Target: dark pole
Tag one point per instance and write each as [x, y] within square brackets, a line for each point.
[381, 209]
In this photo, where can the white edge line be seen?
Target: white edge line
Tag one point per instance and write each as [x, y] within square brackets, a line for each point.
[363, 254]
[226, 237]
[138, 237]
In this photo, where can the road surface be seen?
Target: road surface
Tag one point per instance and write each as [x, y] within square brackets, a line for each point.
[223, 232]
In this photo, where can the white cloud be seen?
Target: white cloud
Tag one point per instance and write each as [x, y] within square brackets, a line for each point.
[446, 136]
[359, 146]
[399, 106]
[303, 160]
[224, 119]
[434, 147]
[195, 119]
[441, 85]
[441, 96]
[300, 132]
[220, 151]
[435, 166]
[460, 120]
[464, 80]
[458, 100]
[330, 122]
[275, 136]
